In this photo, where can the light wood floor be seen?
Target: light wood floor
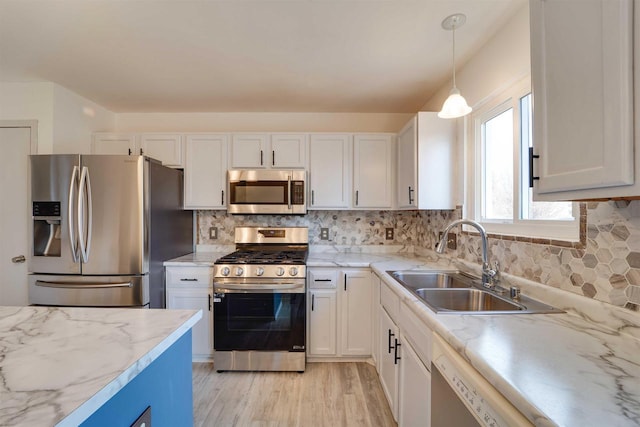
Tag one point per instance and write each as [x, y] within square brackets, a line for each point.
[327, 394]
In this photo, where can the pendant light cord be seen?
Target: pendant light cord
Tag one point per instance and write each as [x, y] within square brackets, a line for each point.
[454, 55]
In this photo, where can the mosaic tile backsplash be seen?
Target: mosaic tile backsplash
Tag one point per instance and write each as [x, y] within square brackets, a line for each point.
[607, 268]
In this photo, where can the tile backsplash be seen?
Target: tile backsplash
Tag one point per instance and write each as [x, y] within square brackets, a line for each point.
[607, 268]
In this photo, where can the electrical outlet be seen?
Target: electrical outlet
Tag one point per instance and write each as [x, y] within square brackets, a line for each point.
[452, 241]
[324, 234]
[388, 232]
[213, 233]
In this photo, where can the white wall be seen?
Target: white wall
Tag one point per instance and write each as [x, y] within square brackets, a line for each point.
[266, 122]
[30, 101]
[74, 120]
[65, 119]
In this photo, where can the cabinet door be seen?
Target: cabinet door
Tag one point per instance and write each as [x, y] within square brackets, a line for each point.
[113, 143]
[329, 171]
[249, 150]
[356, 299]
[581, 58]
[373, 171]
[195, 299]
[288, 151]
[414, 398]
[322, 323]
[388, 366]
[164, 147]
[407, 172]
[205, 172]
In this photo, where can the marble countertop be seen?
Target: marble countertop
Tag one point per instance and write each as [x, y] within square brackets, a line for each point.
[59, 365]
[580, 368]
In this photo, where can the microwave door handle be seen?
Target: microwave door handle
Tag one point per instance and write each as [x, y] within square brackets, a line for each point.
[289, 190]
[71, 220]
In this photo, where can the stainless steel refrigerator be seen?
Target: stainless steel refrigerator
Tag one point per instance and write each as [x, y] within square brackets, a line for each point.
[102, 227]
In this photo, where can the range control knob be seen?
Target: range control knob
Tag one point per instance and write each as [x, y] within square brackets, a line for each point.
[293, 271]
[279, 271]
[239, 271]
[259, 271]
[225, 271]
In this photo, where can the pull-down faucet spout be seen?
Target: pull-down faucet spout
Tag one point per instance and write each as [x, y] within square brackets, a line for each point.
[488, 274]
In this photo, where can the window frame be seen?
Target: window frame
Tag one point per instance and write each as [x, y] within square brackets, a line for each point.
[474, 160]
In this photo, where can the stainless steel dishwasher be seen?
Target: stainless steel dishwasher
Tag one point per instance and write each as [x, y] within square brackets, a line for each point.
[461, 397]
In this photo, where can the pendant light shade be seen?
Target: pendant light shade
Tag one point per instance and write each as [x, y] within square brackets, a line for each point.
[455, 105]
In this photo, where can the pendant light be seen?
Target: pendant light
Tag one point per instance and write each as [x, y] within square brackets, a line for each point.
[455, 105]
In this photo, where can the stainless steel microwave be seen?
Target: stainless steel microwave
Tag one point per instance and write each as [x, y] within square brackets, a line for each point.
[267, 192]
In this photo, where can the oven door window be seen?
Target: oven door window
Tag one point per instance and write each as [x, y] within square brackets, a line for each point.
[260, 321]
[259, 193]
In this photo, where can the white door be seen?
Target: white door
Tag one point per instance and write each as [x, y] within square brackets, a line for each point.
[414, 400]
[164, 147]
[195, 299]
[249, 150]
[373, 178]
[356, 300]
[389, 335]
[407, 175]
[288, 150]
[15, 144]
[322, 323]
[329, 171]
[205, 172]
[113, 143]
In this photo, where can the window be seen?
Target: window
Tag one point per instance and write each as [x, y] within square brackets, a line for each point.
[498, 193]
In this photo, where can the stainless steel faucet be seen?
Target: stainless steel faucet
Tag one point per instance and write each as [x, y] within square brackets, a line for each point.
[488, 274]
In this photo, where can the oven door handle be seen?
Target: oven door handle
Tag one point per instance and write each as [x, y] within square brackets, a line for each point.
[260, 288]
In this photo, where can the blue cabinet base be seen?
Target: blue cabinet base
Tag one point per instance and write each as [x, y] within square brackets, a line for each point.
[165, 385]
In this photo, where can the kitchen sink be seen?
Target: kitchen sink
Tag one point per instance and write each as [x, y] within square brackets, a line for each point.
[426, 279]
[459, 292]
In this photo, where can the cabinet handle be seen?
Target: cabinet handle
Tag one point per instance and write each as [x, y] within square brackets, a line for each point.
[345, 282]
[222, 203]
[129, 151]
[395, 352]
[312, 198]
[391, 334]
[531, 157]
[356, 197]
[273, 158]
[312, 301]
[261, 157]
[209, 302]
[188, 280]
[141, 152]
[410, 195]
[321, 280]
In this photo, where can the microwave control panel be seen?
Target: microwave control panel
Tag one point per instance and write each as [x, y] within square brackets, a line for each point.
[297, 192]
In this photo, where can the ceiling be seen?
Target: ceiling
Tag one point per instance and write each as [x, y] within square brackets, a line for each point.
[369, 56]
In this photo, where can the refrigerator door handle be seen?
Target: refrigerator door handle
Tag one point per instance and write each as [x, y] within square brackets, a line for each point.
[73, 241]
[85, 237]
[47, 284]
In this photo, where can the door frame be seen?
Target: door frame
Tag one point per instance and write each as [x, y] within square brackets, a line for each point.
[33, 124]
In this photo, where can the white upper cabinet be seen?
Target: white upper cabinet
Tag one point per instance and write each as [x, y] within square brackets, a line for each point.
[167, 148]
[582, 76]
[426, 163]
[329, 171]
[114, 143]
[205, 172]
[373, 172]
[289, 150]
[249, 150]
[263, 150]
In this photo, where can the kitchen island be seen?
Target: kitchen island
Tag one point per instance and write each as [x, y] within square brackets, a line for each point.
[95, 366]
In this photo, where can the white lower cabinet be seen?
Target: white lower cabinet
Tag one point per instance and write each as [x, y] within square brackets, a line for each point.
[414, 396]
[389, 335]
[190, 288]
[404, 360]
[339, 312]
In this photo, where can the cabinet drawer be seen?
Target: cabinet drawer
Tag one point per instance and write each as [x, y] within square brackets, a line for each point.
[321, 279]
[417, 332]
[189, 276]
[389, 300]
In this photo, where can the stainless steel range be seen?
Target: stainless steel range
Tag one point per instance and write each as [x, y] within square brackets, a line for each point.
[260, 301]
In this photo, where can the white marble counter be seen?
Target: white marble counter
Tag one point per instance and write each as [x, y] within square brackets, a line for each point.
[196, 259]
[59, 365]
